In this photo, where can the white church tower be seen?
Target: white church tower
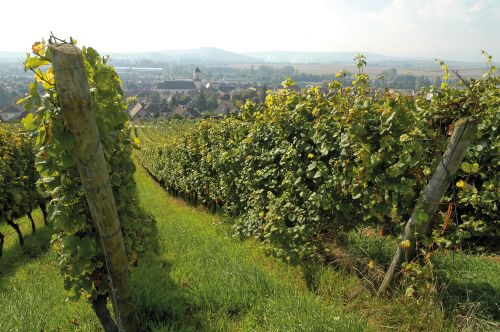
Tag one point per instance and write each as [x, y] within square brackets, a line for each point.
[197, 78]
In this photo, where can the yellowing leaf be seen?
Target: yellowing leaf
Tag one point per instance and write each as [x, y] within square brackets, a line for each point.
[39, 76]
[405, 244]
[137, 141]
[310, 156]
[37, 47]
[404, 138]
[460, 184]
[475, 168]
[49, 76]
[410, 291]
[22, 100]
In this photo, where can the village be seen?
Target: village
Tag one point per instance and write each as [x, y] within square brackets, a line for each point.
[152, 97]
[181, 98]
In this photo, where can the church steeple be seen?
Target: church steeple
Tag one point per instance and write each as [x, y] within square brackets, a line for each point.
[197, 78]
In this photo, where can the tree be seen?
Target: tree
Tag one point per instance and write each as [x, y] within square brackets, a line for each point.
[201, 102]
[154, 98]
[438, 81]
[262, 93]
[5, 97]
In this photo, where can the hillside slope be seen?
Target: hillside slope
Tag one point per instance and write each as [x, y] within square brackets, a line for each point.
[200, 279]
[203, 279]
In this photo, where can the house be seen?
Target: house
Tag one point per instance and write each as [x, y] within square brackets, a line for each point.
[185, 112]
[225, 108]
[153, 108]
[13, 113]
[138, 111]
[225, 88]
[156, 109]
[142, 95]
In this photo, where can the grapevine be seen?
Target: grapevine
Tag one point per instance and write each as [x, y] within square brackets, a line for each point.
[18, 193]
[75, 239]
[307, 166]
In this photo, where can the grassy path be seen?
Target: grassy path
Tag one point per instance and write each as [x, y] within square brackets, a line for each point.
[204, 279]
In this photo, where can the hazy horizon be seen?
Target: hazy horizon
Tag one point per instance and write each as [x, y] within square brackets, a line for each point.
[450, 29]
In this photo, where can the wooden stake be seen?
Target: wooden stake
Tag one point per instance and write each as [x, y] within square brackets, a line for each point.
[74, 97]
[463, 134]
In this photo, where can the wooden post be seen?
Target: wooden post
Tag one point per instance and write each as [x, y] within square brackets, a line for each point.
[74, 98]
[461, 138]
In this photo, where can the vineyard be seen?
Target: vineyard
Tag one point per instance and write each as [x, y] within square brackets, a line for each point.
[18, 193]
[307, 167]
[282, 217]
[307, 170]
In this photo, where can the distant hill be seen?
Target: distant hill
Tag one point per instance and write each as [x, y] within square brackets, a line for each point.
[373, 59]
[205, 55]
[314, 57]
[217, 56]
[12, 56]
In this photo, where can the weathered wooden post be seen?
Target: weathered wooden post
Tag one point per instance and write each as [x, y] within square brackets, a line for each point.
[461, 138]
[74, 98]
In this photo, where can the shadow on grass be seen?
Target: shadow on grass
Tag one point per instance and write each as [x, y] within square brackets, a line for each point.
[469, 283]
[34, 246]
[480, 296]
[160, 302]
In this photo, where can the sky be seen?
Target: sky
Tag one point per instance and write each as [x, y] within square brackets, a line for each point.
[448, 29]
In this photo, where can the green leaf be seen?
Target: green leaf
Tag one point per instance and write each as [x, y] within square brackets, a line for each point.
[62, 143]
[466, 235]
[421, 217]
[115, 180]
[312, 166]
[466, 167]
[66, 159]
[35, 62]
[475, 168]
[28, 122]
[356, 196]
[41, 135]
[44, 165]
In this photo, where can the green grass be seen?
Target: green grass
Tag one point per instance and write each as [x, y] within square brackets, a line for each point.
[205, 280]
[471, 285]
[31, 289]
[201, 278]
[468, 285]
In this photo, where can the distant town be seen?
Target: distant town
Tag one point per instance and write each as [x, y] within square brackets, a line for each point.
[213, 83]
